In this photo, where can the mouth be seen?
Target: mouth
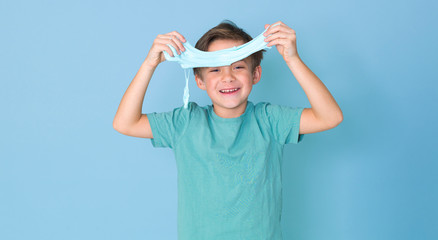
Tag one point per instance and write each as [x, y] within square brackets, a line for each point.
[229, 90]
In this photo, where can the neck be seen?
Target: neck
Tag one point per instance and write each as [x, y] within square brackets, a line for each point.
[230, 113]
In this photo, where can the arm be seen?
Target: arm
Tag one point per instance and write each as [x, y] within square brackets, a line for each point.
[325, 112]
[128, 119]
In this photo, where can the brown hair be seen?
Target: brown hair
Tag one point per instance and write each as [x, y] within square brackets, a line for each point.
[227, 30]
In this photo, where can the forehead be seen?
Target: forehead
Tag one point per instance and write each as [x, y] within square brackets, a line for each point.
[242, 61]
[220, 44]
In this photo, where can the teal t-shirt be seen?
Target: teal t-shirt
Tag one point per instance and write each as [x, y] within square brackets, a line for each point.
[229, 169]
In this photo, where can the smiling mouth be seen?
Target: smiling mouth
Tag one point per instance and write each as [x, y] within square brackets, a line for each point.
[229, 90]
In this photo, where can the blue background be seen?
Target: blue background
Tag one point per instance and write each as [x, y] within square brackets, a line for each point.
[65, 173]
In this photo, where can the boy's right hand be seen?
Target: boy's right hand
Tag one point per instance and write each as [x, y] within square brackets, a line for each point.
[156, 56]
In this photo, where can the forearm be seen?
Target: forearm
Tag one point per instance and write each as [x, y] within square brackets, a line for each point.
[323, 104]
[129, 111]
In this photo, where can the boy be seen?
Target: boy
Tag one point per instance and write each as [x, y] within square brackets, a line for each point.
[228, 154]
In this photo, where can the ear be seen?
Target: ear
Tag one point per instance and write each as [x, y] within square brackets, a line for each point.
[256, 75]
[200, 82]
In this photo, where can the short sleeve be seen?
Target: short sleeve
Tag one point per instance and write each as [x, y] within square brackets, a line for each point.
[167, 127]
[284, 122]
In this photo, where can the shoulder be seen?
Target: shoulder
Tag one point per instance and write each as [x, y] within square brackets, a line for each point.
[261, 111]
[266, 108]
[283, 121]
[270, 108]
[191, 112]
[194, 109]
[274, 112]
[178, 116]
[191, 107]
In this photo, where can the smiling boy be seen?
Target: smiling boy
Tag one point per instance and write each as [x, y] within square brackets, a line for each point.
[228, 154]
[228, 86]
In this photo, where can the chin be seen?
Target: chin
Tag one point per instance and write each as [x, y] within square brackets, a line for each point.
[231, 105]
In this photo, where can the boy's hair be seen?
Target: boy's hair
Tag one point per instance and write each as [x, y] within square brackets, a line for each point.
[224, 31]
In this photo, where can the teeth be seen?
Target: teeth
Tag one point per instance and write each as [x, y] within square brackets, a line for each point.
[229, 90]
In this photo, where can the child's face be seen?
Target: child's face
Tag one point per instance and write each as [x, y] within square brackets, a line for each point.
[228, 86]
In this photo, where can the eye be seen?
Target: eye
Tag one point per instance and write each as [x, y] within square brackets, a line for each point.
[240, 67]
[214, 70]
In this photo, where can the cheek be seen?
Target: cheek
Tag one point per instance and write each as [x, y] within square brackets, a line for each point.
[209, 86]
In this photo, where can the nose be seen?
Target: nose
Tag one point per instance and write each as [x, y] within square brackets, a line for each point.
[227, 74]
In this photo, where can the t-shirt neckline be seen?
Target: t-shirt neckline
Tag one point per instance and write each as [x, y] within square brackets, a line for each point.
[213, 115]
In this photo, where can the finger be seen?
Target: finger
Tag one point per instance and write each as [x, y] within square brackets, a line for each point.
[162, 36]
[177, 38]
[279, 35]
[280, 41]
[178, 42]
[175, 43]
[162, 47]
[180, 36]
[174, 39]
[169, 51]
[164, 42]
[272, 29]
[285, 27]
[279, 23]
[282, 31]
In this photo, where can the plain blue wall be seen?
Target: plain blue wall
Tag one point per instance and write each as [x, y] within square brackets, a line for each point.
[65, 173]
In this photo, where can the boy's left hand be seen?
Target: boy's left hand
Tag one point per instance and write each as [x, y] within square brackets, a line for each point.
[284, 38]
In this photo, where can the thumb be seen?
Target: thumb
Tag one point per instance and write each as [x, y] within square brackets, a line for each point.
[266, 26]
